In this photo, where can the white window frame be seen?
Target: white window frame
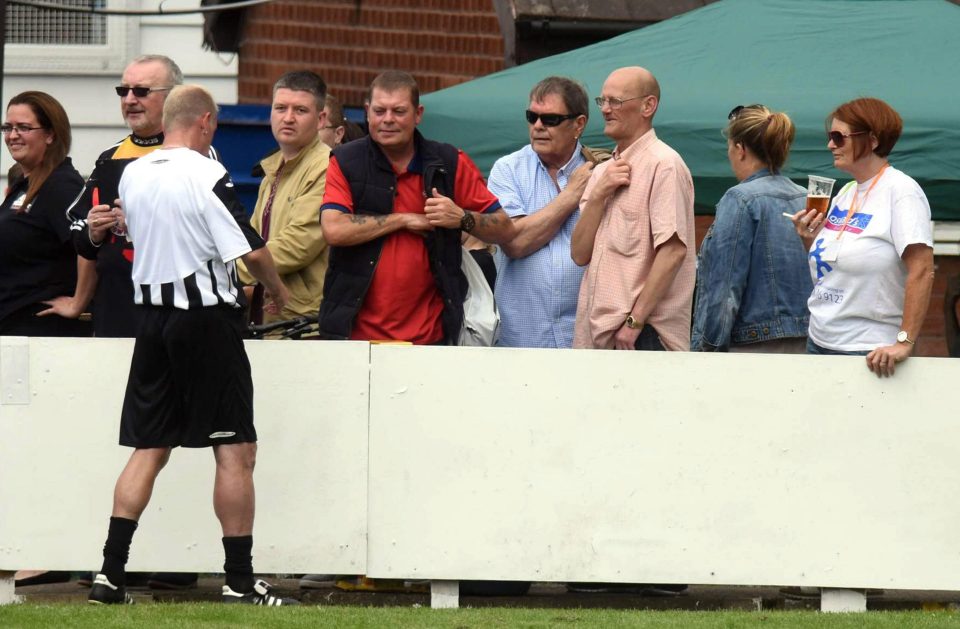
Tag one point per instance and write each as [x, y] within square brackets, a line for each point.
[122, 33]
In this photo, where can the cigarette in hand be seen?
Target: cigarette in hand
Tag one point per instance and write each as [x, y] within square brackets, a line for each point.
[788, 215]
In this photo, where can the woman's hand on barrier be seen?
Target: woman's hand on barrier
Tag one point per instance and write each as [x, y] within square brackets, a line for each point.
[883, 360]
[65, 306]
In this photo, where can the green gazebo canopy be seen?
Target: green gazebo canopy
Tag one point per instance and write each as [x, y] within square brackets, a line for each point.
[798, 56]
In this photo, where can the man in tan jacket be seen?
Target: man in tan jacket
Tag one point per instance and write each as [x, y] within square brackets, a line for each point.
[287, 214]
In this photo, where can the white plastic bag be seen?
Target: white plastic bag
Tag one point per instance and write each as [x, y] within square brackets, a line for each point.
[481, 319]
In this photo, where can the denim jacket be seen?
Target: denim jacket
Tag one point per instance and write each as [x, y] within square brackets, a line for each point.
[753, 280]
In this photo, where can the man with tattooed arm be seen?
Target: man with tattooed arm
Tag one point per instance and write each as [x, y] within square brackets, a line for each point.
[393, 212]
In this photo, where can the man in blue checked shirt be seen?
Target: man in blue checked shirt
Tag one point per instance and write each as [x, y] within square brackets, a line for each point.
[539, 187]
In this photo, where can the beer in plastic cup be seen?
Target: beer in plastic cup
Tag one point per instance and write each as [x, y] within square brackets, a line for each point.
[819, 190]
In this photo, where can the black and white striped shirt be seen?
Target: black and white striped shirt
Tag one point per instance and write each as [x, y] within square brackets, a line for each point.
[188, 227]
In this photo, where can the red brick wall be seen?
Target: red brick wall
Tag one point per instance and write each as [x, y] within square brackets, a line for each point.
[440, 42]
[931, 341]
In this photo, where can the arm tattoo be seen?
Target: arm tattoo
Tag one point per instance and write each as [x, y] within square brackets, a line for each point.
[485, 220]
[361, 219]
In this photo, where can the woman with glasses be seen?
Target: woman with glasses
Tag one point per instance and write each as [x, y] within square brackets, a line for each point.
[871, 255]
[338, 130]
[38, 264]
[753, 283]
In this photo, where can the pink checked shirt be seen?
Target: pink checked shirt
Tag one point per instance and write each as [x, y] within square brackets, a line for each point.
[657, 204]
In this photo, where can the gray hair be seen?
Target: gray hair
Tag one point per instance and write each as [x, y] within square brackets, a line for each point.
[174, 74]
[573, 94]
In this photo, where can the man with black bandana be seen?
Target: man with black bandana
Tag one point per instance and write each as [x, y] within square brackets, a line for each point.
[104, 268]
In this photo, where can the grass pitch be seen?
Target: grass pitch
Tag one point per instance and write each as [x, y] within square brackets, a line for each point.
[184, 616]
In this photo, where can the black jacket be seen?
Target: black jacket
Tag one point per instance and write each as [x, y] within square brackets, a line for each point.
[373, 186]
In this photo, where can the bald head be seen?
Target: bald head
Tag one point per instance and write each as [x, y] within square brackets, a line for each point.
[641, 79]
[190, 117]
[632, 96]
[185, 105]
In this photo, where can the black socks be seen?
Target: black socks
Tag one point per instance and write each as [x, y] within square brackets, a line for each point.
[237, 550]
[117, 549]
[239, 563]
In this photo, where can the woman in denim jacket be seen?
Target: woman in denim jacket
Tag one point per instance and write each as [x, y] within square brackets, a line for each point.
[753, 282]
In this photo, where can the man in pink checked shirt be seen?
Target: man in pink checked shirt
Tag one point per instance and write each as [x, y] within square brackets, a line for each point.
[636, 230]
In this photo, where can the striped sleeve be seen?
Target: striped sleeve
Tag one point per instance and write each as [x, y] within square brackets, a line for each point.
[226, 193]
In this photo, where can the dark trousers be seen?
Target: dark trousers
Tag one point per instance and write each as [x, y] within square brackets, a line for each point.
[649, 340]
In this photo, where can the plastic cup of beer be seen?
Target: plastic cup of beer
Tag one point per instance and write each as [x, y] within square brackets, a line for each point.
[819, 190]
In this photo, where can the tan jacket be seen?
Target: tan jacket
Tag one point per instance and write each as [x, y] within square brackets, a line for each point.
[295, 240]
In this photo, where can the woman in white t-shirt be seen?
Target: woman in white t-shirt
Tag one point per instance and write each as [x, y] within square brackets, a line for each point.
[871, 255]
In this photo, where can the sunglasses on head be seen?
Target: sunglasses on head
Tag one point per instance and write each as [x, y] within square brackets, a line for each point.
[549, 120]
[139, 92]
[739, 108]
[839, 139]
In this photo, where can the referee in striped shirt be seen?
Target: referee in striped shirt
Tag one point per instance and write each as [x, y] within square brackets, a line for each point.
[190, 382]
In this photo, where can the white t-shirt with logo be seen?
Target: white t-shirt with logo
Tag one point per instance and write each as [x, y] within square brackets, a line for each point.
[858, 274]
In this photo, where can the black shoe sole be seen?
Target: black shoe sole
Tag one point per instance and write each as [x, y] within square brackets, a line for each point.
[51, 576]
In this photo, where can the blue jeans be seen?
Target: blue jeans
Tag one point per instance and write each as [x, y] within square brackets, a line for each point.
[813, 348]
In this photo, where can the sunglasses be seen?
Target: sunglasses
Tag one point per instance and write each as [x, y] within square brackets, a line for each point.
[839, 139]
[139, 92]
[739, 108]
[549, 120]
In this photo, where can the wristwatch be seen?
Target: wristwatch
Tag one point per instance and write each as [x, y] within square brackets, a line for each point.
[632, 323]
[903, 338]
[467, 223]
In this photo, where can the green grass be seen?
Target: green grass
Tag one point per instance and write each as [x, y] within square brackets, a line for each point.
[184, 616]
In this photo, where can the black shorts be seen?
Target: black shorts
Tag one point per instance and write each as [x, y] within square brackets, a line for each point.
[189, 381]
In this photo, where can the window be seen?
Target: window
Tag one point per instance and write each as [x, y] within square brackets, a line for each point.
[30, 25]
[48, 41]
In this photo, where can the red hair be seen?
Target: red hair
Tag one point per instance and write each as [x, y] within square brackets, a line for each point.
[873, 116]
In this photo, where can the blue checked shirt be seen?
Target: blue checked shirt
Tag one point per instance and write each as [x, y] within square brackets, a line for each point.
[537, 295]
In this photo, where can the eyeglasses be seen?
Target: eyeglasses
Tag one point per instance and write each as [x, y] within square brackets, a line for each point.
[839, 139]
[739, 108]
[549, 120]
[22, 129]
[613, 101]
[139, 92]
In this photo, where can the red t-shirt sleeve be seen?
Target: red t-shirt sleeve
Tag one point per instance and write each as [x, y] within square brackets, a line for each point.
[336, 195]
[470, 190]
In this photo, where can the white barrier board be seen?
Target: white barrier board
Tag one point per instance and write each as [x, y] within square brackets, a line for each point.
[59, 460]
[662, 467]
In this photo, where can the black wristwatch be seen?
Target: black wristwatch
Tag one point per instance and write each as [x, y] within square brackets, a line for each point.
[467, 223]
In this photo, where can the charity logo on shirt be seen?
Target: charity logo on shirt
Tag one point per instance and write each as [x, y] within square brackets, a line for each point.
[836, 218]
[817, 254]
